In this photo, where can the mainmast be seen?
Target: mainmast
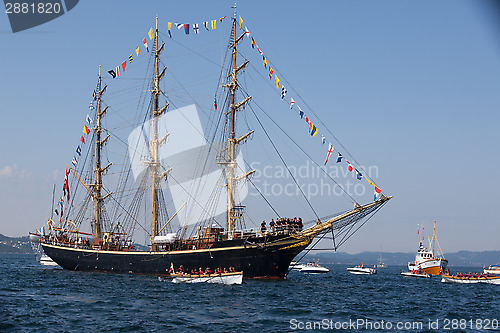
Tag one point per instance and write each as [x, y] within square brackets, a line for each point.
[96, 196]
[154, 165]
[232, 141]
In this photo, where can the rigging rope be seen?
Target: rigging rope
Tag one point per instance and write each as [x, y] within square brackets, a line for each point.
[284, 163]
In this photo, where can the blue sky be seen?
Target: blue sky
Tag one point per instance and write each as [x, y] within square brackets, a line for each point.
[410, 87]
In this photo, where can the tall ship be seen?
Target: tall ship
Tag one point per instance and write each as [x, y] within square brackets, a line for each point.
[426, 260]
[152, 192]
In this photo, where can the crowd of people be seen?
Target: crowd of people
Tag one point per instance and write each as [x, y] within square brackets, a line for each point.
[200, 271]
[473, 275]
[284, 225]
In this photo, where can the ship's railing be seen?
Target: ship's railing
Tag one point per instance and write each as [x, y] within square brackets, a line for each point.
[86, 244]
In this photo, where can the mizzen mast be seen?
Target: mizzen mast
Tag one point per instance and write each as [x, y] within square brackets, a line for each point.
[154, 164]
[96, 195]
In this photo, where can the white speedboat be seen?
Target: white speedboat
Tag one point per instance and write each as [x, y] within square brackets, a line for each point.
[362, 270]
[381, 265]
[313, 268]
[492, 270]
[416, 275]
[296, 266]
[223, 278]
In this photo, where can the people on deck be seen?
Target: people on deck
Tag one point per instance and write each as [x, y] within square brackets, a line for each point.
[263, 227]
[272, 226]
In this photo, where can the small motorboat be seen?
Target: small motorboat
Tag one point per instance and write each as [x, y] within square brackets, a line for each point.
[313, 268]
[296, 266]
[471, 280]
[381, 265]
[416, 275]
[492, 270]
[362, 270]
[223, 278]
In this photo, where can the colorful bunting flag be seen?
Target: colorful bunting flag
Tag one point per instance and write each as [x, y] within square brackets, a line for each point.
[179, 25]
[145, 42]
[359, 176]
[339, 157]
[91, 106]
[222, 19]
[301, 113]
[292, 102]
[376, 194]
[349, 167]
[323, 140]
[124, 64]
[260, 52]
[314, 130]
[74, 161]
[330, 151]
[205, 24]
[215, 102]
[247, 32]
[138, 50]
[61, 203]
[117, 69]
[264, 60]
[196, 29]
[277, 81]
[86, 129]
[94, 95]
[370, 182]
[253, 43]
[169, 26]
[151, 34]
[65, 184]
[82, 139]
[130, 57]
[283, 92]
[270, 72]
[214, 22]
[79, 151]
[241, 22]
[186, 28]
[88, 119]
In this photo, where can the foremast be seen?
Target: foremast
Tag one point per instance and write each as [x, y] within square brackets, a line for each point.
[154, 164]
[232, 141]
[98, 171]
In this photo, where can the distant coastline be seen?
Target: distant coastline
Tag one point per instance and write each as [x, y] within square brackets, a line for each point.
[22, 245]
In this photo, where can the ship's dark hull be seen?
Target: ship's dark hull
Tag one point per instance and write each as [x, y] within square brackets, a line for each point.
[257, 258]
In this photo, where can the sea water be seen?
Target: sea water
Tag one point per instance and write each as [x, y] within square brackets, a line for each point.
[34, 298]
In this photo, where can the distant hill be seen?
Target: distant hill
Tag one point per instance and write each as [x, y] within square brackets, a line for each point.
[459, 259]
[15, 244]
